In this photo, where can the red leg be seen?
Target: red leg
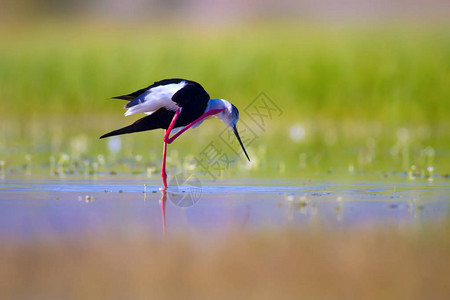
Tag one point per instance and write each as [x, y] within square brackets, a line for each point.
[172, 123]
[205, 115]
[163, 168]
[166, 134]
[168, 140]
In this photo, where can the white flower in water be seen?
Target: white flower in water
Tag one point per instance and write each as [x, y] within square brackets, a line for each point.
[150, 171]
[114, 144]
[101, 159]
[79, 144]
[351, 168]
[63, 158]
[430, 173]
[297, 133]
[403, 134]
[429, 151]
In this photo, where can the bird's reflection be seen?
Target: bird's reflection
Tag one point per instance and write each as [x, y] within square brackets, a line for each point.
[163, 209]
[241, 221]
[184, 201]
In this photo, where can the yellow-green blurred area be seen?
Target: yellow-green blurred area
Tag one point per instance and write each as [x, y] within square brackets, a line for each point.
[355, 97]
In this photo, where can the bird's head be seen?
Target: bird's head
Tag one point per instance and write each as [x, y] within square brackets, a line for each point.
[230, 116]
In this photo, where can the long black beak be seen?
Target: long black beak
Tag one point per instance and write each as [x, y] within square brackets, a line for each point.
[240, 142]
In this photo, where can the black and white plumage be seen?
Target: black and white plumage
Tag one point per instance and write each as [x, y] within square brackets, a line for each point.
[160, 101]
[163, 98]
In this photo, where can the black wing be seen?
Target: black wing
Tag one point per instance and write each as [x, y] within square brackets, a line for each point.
[193, 99]
[133, 95]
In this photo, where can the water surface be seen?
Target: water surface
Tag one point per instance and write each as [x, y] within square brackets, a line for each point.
[66, 206]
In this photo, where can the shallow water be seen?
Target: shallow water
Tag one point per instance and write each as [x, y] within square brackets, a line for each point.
[66, 206]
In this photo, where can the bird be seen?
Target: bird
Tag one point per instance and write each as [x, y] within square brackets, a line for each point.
[175, 105]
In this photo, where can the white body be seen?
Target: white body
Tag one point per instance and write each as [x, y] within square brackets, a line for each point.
[156, 98]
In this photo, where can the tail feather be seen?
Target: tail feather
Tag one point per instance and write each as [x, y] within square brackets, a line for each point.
[124, 130]
[131, 96]
[124, 97]
[159, 119]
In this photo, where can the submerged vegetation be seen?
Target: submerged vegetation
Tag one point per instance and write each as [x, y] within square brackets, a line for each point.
[347, 101]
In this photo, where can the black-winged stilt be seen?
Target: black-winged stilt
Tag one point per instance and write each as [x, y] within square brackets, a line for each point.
[175, 104]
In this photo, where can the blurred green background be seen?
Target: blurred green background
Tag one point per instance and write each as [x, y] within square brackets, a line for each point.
[362, 89]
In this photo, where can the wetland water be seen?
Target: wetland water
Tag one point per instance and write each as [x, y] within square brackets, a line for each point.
[66, 206]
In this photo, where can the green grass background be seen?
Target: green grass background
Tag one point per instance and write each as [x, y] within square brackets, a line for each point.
[369, 98]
